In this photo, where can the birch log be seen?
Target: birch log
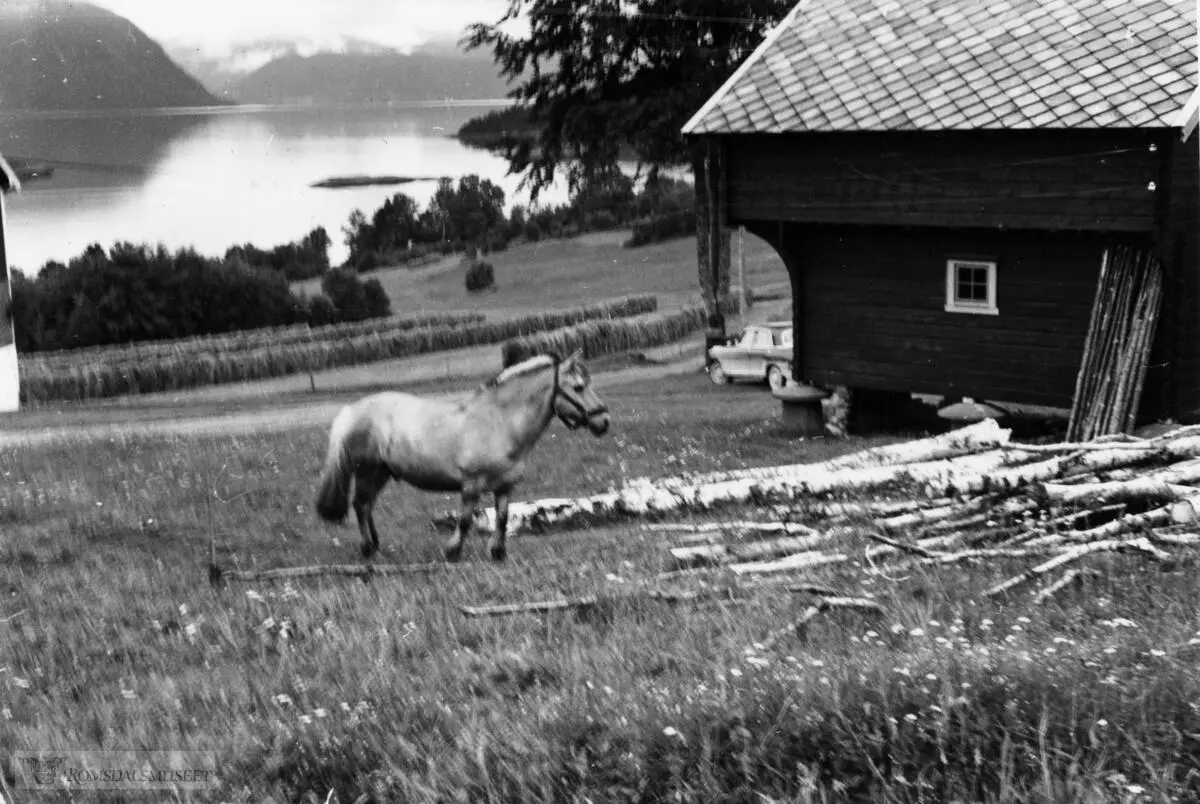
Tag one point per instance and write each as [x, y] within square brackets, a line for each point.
[1169, 484]
[790, 482]
[1022, 476]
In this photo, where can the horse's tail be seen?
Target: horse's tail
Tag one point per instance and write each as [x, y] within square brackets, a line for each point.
[333, 497]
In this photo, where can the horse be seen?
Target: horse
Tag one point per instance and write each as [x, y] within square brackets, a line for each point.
[474, 446]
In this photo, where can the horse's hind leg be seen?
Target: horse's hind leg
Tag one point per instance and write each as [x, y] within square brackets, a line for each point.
[497, 547]
[369, 480]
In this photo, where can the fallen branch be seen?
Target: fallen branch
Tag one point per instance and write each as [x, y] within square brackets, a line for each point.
[901, 546]
[991, 552]
[1074, 554]
[1066, 580]
[822, 606]
[699, 555]
[365, 571]
[536, 607]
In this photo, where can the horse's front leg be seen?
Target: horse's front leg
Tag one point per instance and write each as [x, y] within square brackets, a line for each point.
[496, 546]
[470, 499]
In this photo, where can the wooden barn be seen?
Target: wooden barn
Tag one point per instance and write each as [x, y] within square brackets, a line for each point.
[942, 179]
[10, 391]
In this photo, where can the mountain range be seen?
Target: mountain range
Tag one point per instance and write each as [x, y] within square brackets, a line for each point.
[68, 55]
[59, 55]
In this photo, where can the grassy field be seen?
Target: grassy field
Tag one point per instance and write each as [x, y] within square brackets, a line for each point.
[111, 638]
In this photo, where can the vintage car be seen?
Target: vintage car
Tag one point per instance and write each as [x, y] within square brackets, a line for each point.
[760, 352]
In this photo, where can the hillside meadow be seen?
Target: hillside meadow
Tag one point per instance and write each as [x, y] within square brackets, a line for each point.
[112, 638]
[555, 273]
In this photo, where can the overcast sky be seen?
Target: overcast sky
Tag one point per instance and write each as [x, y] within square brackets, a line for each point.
[217, 27]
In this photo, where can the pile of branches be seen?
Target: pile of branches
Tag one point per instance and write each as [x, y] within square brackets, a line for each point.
[1053, 504]
[971, 494]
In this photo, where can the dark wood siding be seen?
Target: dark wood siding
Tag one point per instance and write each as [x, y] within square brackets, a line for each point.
[1090, 180]
[1184, 223]
[874, 313]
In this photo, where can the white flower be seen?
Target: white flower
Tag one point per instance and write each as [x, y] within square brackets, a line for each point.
[910, 717]
[733, 671]
[1157, 652]
[1101, 722]
[320, 712]
[670, 731]
[916, 632]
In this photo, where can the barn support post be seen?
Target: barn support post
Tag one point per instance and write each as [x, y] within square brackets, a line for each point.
[713, 251]
[1164, 402]
[10, 381]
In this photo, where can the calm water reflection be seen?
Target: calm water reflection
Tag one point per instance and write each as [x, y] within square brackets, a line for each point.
[213, 178]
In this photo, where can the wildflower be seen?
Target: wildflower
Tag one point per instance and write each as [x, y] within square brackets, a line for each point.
[897, 628]
[1110, 650]
[255, 596]
[902, 671]
[816, 663]
[6, 713]
[283, 700]
[1024, 620]
[1018, 629]
[128, 695]
[320, 712]
[916, 632]
[870, 635]
[1062, 641]
[1157, 652]
[733, 671]
[671, 731]
[910, 717]
[1136, 789]
[345, 707]
[930, 677]
[984, 625]
[305, 719]
[1101, 722]
[935, 624]
[23, 683]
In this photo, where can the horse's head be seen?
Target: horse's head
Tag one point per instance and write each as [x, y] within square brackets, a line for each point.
[575, 403]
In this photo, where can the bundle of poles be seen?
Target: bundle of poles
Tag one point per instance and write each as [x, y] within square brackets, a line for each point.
[1112, 373]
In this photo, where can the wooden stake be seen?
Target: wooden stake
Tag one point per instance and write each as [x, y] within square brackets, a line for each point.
[364, 571]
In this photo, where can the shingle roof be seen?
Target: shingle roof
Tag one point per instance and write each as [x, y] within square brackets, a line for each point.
[859, 65]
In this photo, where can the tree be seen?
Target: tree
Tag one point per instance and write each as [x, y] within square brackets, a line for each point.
[471, 210]
[597, 75]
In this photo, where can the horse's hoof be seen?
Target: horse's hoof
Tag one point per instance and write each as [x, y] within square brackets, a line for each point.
[499, 552]
[453, 553]
[368, 550]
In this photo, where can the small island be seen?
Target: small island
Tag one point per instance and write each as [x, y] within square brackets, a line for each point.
[364, 181]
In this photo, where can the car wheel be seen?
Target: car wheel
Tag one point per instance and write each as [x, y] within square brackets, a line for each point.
[717, 374]
[775, 378]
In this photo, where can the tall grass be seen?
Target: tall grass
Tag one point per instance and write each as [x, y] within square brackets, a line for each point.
[95, 378]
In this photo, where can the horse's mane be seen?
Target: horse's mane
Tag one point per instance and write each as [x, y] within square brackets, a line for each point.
[516, 370]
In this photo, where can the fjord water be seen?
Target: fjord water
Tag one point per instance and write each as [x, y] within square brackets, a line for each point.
[211, 178]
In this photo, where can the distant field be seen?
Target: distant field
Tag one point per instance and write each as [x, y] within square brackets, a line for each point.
[551, 274]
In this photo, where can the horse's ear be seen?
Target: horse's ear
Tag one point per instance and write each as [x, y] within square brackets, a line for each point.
[576, 355]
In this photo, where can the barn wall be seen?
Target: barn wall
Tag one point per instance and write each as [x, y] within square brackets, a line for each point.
[1092, 180]
[1184, 224]
[873, 310]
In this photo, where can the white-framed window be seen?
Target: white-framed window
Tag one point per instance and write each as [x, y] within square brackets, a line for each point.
[971, 287]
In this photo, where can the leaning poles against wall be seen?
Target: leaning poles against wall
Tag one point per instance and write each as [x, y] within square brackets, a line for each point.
[10, 383]
[1116, 353]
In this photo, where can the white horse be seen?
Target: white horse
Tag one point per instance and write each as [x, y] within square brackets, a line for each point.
[474, 446]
